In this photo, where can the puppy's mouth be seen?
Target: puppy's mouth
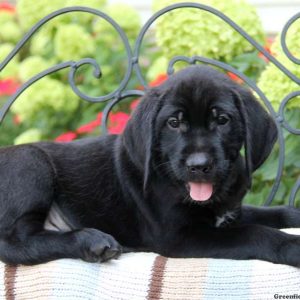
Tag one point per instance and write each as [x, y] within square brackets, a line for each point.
[200, 191]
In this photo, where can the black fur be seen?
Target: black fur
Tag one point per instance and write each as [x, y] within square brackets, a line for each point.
[128, 192]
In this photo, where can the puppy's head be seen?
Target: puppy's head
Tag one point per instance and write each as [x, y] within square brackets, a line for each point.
[192, 128]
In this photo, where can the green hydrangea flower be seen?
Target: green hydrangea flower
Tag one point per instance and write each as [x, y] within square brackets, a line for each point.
[10, 32]
[73, 42]
[292, 41]
[11, 70]
[41, 43]
[81, 17]
[97, 4]
[159, 66]
[44, 98]
[31, 11]
[274, 83]
[126, 16]
[32, 66]
[29, 136]
[6, 17]
[189, 31]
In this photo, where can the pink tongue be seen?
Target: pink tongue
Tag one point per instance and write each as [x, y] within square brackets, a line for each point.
[200, 191]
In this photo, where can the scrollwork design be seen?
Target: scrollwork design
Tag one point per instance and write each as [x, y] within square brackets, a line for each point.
[133, 57]
[281, 116]
[294, 192]
[4, 109]
[97, 74]
[284, 46]
[74, 65]
[231, 23]
[118, 98]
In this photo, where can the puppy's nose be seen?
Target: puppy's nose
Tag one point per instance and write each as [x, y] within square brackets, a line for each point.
[199, 163]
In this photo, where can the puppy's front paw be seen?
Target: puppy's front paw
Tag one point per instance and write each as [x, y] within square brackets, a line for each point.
[96, 245]
[290, 252]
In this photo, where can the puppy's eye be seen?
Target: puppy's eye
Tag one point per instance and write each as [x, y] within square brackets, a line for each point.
[222, 119]
[173, 122]
[219, 118]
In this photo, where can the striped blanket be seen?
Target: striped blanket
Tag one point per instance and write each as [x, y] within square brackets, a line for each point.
[150, 276]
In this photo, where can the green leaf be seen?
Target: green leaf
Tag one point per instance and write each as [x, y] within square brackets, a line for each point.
[269, 169]
[258, 198]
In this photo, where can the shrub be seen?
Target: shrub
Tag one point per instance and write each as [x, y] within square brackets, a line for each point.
[11, 70]
[31, 11]
[50, 105]
[72, 41]
[191, 32]
[276, 85]
[45, 99]
[276, 92]
[29, 136]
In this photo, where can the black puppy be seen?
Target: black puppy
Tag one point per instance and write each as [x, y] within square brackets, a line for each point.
[172, 183]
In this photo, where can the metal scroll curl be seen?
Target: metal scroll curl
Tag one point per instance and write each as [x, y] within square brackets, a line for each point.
[294, 192]
[284, 46]
[4, 109]
[73, 65]
[283, 104]
[118, 98]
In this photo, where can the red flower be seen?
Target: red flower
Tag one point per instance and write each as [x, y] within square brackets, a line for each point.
[17, 119]
[234, 77]
[87, 128]
[7, 7]
[8, 87]
[66, 137]
[158, 80]
[134, 104]
[118, 122]
[99, 117]
[91, 126]
[267, 47]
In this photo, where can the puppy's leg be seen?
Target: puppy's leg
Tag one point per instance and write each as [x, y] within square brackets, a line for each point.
[244, 242]
[27, 190]
[276, 217]
[88, 244]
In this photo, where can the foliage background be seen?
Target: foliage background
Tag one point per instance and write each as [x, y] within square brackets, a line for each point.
[49, 110]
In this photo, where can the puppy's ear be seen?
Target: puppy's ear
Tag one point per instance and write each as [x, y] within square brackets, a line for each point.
[259, 129]
[139, 135]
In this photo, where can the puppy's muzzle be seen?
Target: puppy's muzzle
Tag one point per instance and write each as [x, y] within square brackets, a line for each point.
[199, 164]
[200, 168]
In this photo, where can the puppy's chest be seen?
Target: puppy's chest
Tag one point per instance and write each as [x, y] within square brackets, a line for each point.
[226, 219]
[205, 218]
[216, 218]
[221, 220]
